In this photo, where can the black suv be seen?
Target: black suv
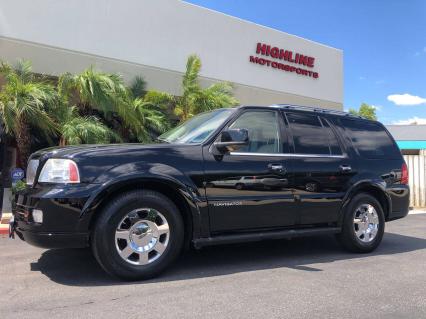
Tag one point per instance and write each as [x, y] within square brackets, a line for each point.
[225, 176]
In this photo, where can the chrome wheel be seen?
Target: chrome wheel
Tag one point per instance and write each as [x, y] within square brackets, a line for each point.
[366, 223]
[142, 236]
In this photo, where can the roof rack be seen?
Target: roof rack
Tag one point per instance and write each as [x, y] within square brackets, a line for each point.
[316, 109]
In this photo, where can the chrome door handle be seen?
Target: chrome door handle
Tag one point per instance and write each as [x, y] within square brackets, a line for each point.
[345, 168]
[276, 168]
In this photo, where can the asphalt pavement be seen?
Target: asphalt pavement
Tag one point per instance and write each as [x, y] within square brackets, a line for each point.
[300, 278]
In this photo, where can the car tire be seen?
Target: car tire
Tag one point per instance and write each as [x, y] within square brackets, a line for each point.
[363, 224]
[239, 186]
[152, 241]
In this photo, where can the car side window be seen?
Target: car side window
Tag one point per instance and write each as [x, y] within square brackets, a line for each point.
[312, 136]
[263, 131]
[370, 139]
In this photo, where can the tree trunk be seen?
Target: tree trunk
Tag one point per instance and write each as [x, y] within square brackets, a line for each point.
[62, 141]
[23, 141]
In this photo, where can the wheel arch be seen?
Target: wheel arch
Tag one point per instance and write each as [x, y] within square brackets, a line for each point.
[175, 192]
[376, 190]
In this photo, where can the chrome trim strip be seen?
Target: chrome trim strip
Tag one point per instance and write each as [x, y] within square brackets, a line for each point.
[287, 155]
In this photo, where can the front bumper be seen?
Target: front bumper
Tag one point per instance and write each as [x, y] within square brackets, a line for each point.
[64, 224]
[53, 240]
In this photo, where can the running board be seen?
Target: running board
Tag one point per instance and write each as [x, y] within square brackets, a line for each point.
[274, 234]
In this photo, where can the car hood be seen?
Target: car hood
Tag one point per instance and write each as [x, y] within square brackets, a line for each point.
[93, 160]
[78, 151]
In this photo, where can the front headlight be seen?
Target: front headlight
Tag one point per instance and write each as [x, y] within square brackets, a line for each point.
[58, 170]
[31, 171]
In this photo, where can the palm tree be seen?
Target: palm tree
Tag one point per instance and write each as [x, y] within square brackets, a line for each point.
[76, 129]
[153, 120]
[152, 110]
[102, 91]
[196, 99]
[138, 87]
[87, 130]
[23, 103]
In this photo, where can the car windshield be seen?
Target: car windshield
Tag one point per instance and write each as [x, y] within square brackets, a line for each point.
[197, 129]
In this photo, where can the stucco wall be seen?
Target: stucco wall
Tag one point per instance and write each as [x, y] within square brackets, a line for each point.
[154, 38]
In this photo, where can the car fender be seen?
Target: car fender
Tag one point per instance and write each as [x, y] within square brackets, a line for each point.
[378, 185]
[127, 174]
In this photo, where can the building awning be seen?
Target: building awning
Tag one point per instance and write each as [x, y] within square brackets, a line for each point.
[411, 145]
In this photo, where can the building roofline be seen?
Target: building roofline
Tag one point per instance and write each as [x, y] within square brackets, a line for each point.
[260, 25]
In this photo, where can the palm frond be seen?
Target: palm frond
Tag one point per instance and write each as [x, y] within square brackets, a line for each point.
[87, 130]
[160, 100]
[26, 100]
[24, 70]
[190, 78]
[195, 99]
[151, 120]
[138, 87]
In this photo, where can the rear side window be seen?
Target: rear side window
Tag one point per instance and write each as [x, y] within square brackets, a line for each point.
[370, 139]
[312, 135]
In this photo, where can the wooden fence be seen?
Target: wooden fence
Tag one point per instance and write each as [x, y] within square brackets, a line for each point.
[417, 178]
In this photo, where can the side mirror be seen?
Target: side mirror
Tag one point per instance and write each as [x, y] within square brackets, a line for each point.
[231, 140]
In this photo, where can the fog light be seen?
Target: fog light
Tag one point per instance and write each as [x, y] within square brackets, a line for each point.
[37, 216]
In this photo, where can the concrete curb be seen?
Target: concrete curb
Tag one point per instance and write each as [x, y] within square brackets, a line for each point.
[4, 224]
[417, 211]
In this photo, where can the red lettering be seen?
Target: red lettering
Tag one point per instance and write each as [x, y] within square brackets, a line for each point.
[275, 52]
[253, 59]
[303, 59]
[284, 55]
[287, 56]
[263, 49]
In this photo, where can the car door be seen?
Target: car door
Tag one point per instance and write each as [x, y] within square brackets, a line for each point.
[321, 166]
[251, 188]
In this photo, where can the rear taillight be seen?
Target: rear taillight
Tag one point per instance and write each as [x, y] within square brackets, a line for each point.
[404, 174]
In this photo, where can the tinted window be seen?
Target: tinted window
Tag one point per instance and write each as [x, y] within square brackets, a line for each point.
[263, 131]
[310, 136]
[333, 143]
[370, 139]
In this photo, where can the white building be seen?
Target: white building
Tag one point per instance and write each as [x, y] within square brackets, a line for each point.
[154, 38]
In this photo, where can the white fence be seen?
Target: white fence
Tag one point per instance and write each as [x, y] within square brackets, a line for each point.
[417, 178]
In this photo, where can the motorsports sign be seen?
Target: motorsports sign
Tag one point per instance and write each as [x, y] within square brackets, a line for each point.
[299, 63]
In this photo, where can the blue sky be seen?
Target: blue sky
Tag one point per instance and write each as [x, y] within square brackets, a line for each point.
[383, 41]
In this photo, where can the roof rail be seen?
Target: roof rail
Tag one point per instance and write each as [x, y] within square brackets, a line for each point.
[317, 109]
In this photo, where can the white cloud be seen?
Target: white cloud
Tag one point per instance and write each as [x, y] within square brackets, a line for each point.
[406, 99]
[377, 107]
[413, 120]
